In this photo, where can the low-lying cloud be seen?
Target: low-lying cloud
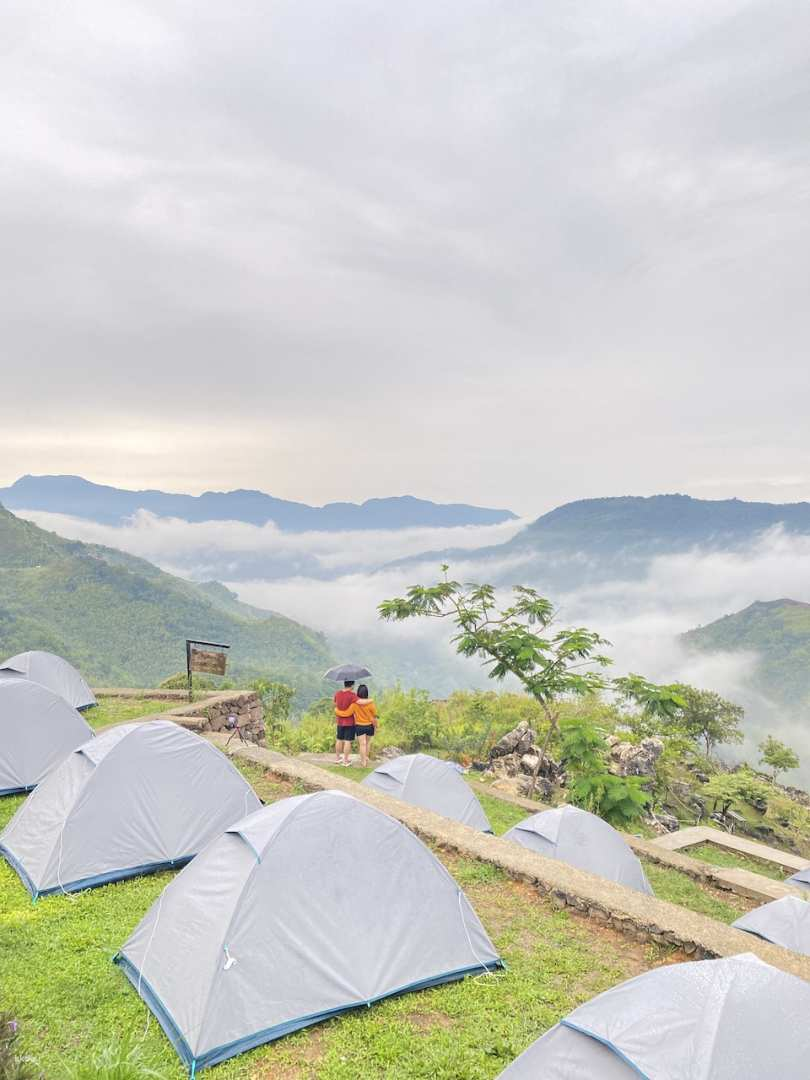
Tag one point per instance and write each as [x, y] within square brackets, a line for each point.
[238, 549]
[643, 618]
[333, 582]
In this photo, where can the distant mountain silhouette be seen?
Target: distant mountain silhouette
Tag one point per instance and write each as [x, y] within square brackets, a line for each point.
[599, 539]
[110, 505]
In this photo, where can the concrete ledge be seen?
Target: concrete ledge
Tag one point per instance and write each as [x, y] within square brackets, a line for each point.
[642, 917]
[700, 834]
[150, 695]
[745, 883]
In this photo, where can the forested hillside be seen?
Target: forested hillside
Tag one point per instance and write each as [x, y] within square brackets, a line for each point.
[123, 621]
[778, 631]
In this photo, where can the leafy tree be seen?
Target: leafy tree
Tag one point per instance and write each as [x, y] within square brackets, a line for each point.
[517, 640]
[657, 708]
[709, 717]
[740, 786]
[777, 756]
[277, 698]
[619, 800]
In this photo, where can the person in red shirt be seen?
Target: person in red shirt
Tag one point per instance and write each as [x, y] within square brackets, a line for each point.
[344, 699]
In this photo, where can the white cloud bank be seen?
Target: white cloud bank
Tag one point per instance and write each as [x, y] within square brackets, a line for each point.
[209, 548]
[643, 618]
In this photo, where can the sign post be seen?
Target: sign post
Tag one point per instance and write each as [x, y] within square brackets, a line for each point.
[205, 656]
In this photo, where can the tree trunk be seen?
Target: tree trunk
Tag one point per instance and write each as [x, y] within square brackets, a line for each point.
[541, 757]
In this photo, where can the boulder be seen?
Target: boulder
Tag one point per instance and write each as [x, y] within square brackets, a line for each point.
[518, 741]
[521, 785]
[663, 822]
[634, 759]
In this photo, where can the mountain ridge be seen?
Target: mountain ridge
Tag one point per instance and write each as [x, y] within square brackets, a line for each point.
[109, 505]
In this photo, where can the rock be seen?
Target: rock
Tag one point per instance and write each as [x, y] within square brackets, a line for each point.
[543, 788]
[504, 766]
[390, 752]
[529, 762]
[517, 741]
[663, 822]
[634, 759]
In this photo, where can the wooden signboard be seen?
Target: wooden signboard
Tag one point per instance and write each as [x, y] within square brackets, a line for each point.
[211, 662]
[210, 657]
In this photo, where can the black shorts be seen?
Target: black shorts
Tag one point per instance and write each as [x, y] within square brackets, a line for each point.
[364, 729]
[346, 733]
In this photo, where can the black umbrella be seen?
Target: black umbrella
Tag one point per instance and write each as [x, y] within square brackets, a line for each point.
[347, 673]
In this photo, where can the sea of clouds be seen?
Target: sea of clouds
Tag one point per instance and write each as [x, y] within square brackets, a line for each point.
[344, 576]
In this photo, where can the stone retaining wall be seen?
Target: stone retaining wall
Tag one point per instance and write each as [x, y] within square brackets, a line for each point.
[641, 917]
[211, 714]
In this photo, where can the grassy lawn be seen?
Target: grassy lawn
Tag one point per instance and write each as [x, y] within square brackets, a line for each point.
[679, 888]
[718, 856]
[118, 710]
[57, 978]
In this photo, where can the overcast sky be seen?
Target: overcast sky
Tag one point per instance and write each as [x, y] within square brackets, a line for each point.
[510, 253]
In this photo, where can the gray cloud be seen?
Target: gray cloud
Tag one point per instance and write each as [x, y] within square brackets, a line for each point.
[533, 252]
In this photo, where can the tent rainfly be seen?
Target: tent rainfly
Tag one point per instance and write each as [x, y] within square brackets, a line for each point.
[801, 878]
[248, 943]
[431, 783]
[139, 798]
[583, 840]
[732, 1019]
[38, 729]
[785, 922]
[51, 671]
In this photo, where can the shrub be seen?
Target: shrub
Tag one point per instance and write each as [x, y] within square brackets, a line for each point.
[12, 1065]
[121, 1060]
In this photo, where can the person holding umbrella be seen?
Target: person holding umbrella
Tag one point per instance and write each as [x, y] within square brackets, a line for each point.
[344, 701]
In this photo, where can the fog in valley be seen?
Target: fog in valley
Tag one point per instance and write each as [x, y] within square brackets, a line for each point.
[333, 582]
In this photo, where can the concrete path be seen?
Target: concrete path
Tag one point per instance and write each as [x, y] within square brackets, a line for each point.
[642, 917]
[700, 834]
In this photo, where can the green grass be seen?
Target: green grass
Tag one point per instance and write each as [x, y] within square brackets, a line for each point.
[118, 710]
[679, 888]
[717, 856]
[57, 977]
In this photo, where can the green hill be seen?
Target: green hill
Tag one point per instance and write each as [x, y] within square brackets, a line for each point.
[124, 622]
[778, 631]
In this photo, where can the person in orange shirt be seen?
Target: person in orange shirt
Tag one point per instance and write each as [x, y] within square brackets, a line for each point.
[364, 713]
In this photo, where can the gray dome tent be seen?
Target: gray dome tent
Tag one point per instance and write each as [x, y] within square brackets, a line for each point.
[247, 944]
[38, 729]
[583, 840]
[732, 1019]
[51, 671]
[785, 922]
[140, 797]
[801, 878]
[431, 783]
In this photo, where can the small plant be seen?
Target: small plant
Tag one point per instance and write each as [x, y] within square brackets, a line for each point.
[12, 1065]
[123, 1060]
[620, 800]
